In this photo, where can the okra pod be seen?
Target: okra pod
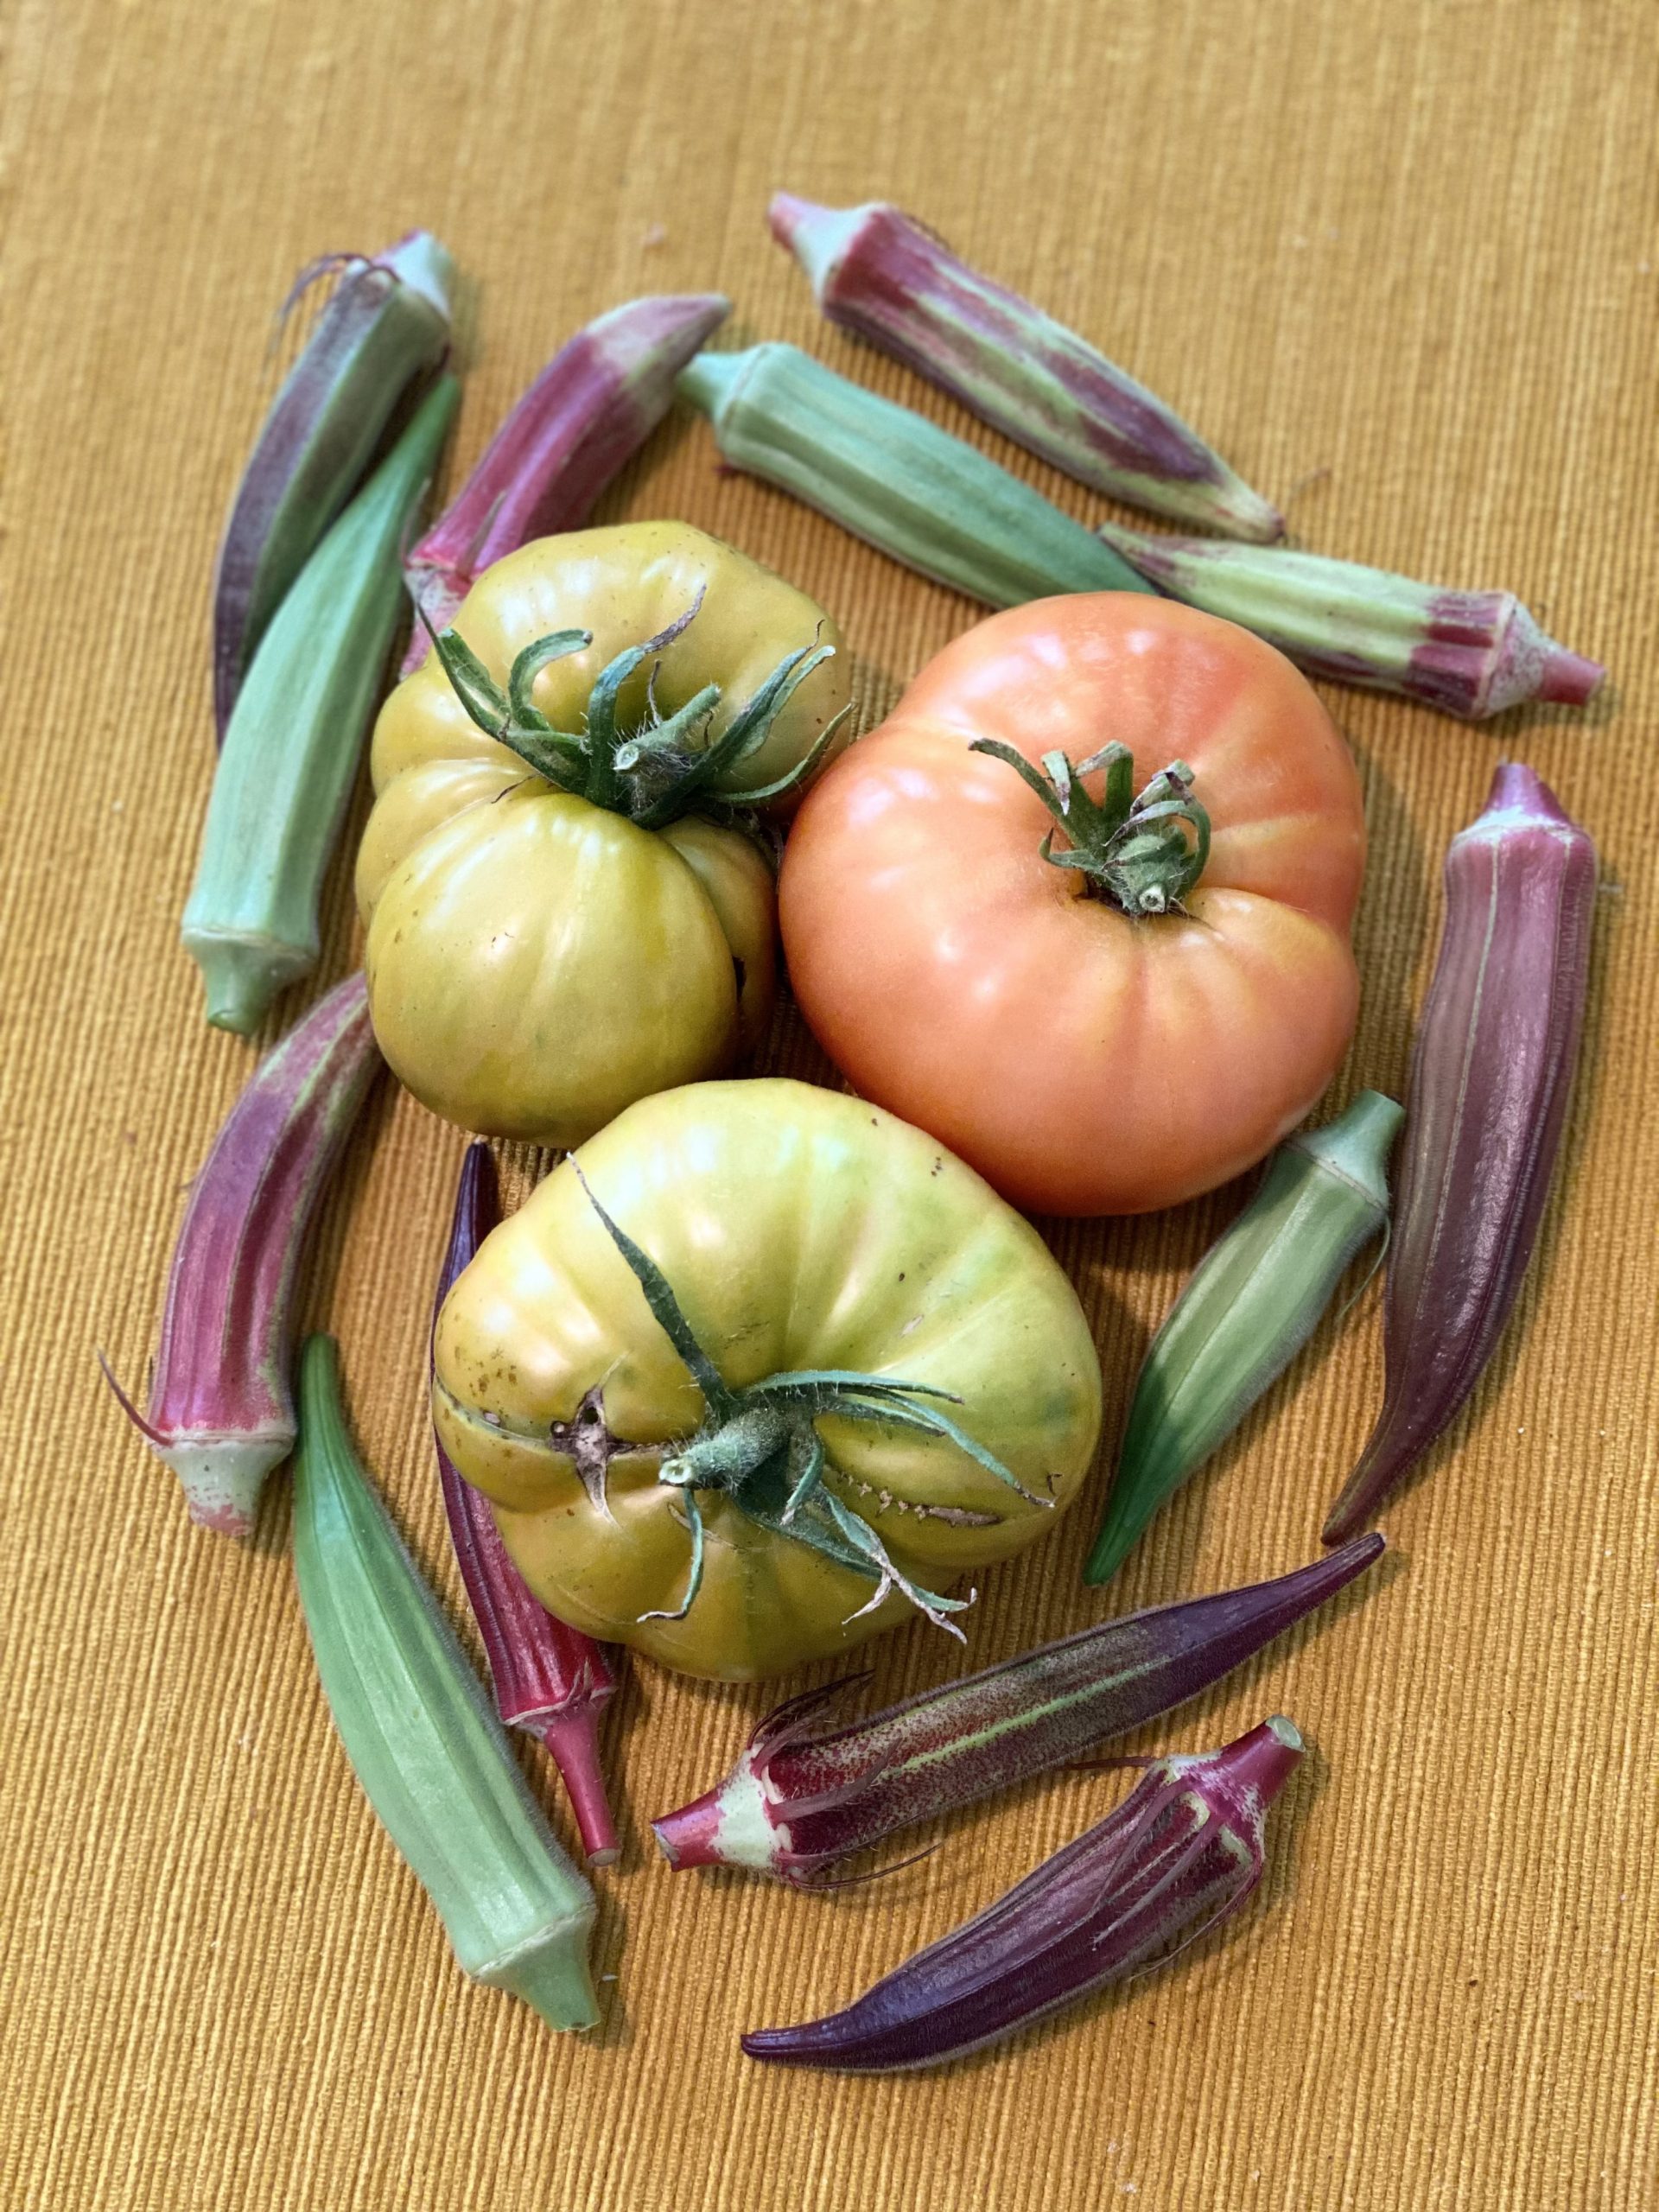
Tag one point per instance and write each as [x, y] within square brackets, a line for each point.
[419, 1734]
[386, 323]
[895, 479]
[292, 748]
[1468, 654]
[797, 1801]
[550, 1680]
[588, 413]
[1254, 1301]
[1492, 1074]
[221, 1412]
[877, 272]
[1180, 1854]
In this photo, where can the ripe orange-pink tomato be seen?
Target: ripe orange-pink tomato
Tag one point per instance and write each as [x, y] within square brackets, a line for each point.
[1085, 1058]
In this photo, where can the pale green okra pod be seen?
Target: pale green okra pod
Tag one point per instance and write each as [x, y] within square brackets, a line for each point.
[419, 1731]
[1252, 1303]
[294, 736]
[896, 479]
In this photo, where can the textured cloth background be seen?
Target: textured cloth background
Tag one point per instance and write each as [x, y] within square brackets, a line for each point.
[1398, 261]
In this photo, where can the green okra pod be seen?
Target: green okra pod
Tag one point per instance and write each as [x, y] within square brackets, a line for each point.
[295, 735]
[419, 1732]
[895, 479]
[1254, 1300]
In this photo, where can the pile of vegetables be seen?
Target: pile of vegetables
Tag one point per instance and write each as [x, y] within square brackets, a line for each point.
[762, 1370]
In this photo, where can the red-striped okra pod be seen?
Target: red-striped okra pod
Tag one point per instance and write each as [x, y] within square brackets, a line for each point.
[1491, 1078]
[386, 323]
[797, 1801]
[1468, 654]
[882, 275]
[550, 1680]
[588, 413]
[1180, 1854]
[221, 1407]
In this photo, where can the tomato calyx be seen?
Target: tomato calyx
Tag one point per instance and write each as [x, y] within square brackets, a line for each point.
[761, 1448]
[664, 767]
[1133, 850]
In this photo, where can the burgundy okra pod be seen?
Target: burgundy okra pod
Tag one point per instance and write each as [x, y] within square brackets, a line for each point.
[550, 1680]
[1491, 1078]
[588, 413]
[386, 325]
[883, 276]
[797, 1800]
[221, 1409]
[1181, 1854]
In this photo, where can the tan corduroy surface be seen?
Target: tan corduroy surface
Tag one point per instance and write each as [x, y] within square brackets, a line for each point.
[1399, 263]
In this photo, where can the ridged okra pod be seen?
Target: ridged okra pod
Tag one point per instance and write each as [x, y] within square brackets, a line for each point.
[419, 1734]
[1469, 654]
[1182, 1852]
[386, 323]
[1491, 1076]
[292, 748]
[221, 1411]
[882, 275]
[1253, 1302]
[895, 479]
[585, 417]
[550, 1680]
[799, 1799]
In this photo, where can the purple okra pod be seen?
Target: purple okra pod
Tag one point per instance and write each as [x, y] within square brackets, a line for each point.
[588, 413]
[887, 278]
[386, 323]
[550, 1680]
[1491, 1078]
[798, 1801]
[221, 1408]
[1181, 1854]
[1469, 654]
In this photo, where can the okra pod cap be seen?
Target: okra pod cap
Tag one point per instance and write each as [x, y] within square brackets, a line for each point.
[895, 479]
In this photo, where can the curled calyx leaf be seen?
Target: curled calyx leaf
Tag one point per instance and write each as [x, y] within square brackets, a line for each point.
[760, 1447]
[1143, 853]
[662, 767]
